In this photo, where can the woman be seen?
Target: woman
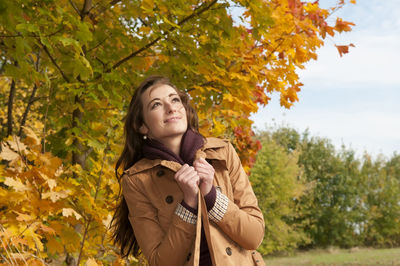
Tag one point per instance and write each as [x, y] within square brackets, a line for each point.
[187, 198]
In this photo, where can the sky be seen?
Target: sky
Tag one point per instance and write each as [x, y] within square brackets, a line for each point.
[354, 99]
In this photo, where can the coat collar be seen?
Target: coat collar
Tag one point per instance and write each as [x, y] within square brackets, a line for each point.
[208, 151]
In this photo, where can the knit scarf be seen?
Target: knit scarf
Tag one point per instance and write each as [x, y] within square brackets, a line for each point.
[191, 142]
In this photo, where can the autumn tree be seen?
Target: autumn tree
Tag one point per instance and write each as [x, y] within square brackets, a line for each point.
[69, 68]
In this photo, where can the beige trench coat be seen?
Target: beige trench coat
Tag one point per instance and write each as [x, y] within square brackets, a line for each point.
[152, 195]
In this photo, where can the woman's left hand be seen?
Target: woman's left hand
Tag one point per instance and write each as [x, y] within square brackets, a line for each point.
[206, 173]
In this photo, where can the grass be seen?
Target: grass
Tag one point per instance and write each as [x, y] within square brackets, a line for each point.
[336, 257]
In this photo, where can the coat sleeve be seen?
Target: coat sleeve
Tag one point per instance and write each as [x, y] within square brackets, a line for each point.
[160, 247]
[243, 220]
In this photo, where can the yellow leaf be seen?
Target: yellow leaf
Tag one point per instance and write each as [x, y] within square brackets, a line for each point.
[31, 137]
[107, 221]
[219, 128]
[7, 153]
[37, 243]
[69, 212]
[35, 262]
[91, 262]
[16, 184]
[52, 183]
[54, 196]
[23, 217]
[17, 145]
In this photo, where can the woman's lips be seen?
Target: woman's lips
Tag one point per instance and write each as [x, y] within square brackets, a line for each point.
[172, 119]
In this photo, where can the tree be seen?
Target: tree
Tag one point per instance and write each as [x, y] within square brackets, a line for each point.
[278, 184]
[381, 201]
[332, 210]
[68, 70]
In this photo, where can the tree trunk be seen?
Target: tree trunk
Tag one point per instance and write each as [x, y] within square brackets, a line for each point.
[10, 121]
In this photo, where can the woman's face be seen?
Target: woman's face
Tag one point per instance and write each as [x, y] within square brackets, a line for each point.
[164, 115]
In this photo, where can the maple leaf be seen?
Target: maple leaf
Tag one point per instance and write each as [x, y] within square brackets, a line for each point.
[69, 212]
[7, 154]
[54, 246]
[91, 262]
[343, 25]
[31, 137]
[55, 196]
[17, 145]
[16, 184]
[22, 217]
[47, 229]
[344, 49]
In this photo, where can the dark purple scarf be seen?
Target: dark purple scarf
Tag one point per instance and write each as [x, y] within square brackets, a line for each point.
[191, 142]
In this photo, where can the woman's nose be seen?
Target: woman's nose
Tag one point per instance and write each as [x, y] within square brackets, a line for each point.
[170, 108]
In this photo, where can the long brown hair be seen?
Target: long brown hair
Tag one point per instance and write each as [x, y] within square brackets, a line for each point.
[123, 234]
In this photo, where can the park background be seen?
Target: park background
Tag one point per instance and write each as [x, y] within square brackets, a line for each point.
[68, 69]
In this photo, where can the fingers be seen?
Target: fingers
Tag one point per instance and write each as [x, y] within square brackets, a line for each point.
[187, 176]
[204, 169]
[188, 181]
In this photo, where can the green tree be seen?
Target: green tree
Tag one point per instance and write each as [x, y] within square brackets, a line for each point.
[382, 201]
[332, 207]
[278, 184]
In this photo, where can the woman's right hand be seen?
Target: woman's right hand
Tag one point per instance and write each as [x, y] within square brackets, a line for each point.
[188, 180]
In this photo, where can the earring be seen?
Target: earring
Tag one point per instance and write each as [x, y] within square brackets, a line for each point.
[144, 137]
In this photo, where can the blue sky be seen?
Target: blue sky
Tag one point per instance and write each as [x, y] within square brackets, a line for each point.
[354, 99]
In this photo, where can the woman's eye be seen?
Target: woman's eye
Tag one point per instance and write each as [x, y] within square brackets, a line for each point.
[176, 99]
[155, 105]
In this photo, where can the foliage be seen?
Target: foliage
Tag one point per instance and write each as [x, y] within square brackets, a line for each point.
[347, 201]
[382, 201]
[332, 207]
[46, 212]
[277, 182]
[68, 69]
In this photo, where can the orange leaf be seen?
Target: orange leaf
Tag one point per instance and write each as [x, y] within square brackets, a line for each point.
[344, 49]
[54, 246]
[343, 25]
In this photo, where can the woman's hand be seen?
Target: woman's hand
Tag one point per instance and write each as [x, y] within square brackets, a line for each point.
[206, 174]
[188, 180]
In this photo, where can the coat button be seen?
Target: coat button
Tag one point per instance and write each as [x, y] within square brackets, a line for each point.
[169, 199]
[188, 256]
[228, 251]
[160, 172]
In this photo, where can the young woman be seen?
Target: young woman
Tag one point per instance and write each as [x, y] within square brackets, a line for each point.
[186, 199]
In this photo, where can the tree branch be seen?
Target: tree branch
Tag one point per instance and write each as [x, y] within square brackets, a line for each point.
[11, 96]
[201, 9]
[33, 35]
[74, 6]
[28, 106]
[54, 61]
[87, 6]
[31, 98]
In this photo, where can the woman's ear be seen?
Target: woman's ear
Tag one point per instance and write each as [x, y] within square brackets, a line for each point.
[143, 129]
